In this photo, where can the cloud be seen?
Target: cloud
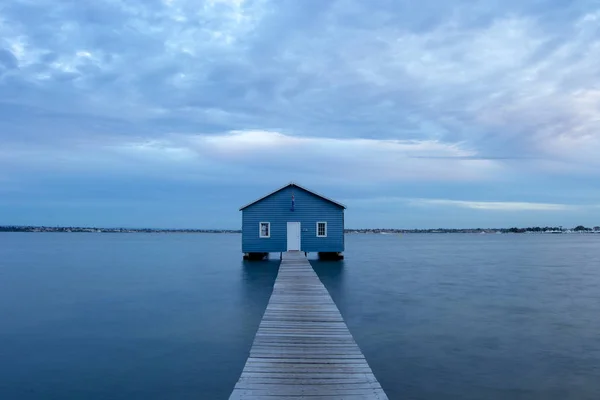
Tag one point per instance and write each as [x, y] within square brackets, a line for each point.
[441, 100]
[8, 60]
[360, 161]
[350, 159]
[511, 80]
[502, 206]
[495, 205]
[511, 86]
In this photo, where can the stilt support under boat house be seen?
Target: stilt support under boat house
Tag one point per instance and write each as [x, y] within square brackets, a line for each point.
[293, 218]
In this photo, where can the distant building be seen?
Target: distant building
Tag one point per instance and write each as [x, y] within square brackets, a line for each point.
[597, 229]
[293, 218]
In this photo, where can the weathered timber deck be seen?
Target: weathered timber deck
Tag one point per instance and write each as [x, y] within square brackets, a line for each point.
[303, 348]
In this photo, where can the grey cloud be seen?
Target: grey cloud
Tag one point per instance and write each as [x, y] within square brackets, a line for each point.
[8, 60]
[322, 68]
[107, 91]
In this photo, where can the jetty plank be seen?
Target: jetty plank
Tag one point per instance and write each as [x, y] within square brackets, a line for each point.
[303, 348]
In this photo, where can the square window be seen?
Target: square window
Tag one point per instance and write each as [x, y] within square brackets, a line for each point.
[321, 229]
[265, 230]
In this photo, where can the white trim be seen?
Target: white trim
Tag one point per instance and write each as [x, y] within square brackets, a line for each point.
[298, 186]
[260, 235]
[322, 222]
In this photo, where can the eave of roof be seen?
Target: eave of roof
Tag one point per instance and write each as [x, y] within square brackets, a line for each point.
[298, 186]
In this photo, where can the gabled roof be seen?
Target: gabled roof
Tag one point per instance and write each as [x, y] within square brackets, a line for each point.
[299, 187]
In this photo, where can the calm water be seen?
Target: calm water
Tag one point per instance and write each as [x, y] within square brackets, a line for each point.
[155, 316]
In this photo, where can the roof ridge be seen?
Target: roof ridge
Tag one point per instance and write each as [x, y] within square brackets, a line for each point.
[298, 186]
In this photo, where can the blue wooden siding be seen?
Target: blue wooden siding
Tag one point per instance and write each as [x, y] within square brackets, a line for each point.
[308, 209]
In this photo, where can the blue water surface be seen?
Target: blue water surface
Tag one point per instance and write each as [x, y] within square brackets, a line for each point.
[122, 316]
[172, 316]
[470, 316]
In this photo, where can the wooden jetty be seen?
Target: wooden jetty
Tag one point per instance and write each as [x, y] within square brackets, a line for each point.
[303, 348]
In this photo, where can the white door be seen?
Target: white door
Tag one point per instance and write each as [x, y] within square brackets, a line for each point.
[293, 236]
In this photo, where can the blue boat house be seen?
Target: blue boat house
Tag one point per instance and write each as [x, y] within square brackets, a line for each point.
[293, 218]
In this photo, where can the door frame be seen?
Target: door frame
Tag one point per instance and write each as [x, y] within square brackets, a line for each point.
[287, 237]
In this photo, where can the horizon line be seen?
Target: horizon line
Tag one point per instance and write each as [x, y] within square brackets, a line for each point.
[240, 229]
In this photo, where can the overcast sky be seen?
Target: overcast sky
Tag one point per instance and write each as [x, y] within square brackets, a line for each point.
[174, 113]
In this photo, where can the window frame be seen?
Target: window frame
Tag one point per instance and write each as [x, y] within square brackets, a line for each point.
[260, 235]
[322, 222]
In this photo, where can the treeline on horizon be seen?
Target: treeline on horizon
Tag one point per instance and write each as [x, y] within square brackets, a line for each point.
[16, 228]
[579, 228]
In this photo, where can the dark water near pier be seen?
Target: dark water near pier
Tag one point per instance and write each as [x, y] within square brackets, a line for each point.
[157, 316]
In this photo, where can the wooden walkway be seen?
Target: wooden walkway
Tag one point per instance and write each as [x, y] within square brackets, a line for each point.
[303, 349]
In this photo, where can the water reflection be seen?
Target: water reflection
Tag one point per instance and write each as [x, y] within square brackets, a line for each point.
[258, 275]
[258, 278]
[331, 273]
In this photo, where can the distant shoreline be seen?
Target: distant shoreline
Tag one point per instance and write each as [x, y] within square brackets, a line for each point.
[63, 229]
[546, 230]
